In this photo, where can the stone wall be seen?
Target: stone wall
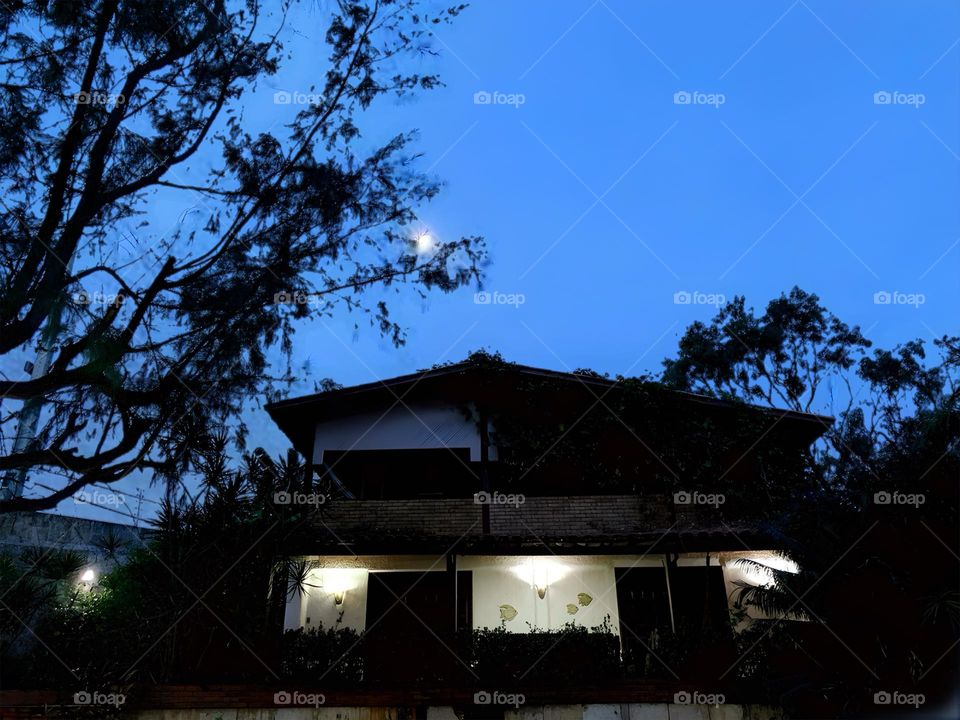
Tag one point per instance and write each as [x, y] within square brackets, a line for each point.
[23, 530]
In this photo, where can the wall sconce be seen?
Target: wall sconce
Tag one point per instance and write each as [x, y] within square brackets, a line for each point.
[541, 572]
[337, 581]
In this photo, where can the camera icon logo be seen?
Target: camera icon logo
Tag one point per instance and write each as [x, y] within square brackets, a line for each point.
[882, 97]
[282, 97]
[882, 297]
[682, 498]
[82, 698]
[482, 97]
[482, 298]
[882, 698]
[481, 498]
[282, 698]
[682, 297]
[882, 498]
[682, 97]
[482, 698]
[282, 498]
[682, 698]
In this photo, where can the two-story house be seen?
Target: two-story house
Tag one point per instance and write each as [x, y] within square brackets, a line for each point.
[485, 494]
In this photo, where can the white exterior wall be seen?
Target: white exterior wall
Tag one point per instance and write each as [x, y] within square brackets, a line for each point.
[500, 580]
[512, 581]
[318, 602]
[734, 572]
[407, 426]
[504, 580]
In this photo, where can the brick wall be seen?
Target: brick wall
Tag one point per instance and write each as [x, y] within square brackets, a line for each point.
[583, 516]
[430, 517]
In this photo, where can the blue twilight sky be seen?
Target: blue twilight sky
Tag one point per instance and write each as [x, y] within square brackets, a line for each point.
[818, 147]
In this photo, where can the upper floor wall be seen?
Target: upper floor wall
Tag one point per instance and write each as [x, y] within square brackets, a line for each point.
[466, 428]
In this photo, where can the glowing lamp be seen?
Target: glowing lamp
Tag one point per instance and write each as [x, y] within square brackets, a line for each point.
[337, 581]
[540, 572]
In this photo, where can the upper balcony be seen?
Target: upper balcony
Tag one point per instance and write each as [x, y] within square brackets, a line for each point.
[493, 522]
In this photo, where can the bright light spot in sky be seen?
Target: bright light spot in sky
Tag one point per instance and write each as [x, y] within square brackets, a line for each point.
[88, 576]
[424, 243]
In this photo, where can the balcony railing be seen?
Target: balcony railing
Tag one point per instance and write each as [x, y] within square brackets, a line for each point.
[498, 520]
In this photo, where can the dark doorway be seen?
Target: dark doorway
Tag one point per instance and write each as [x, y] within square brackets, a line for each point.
[699, 597]
[411, 626]
[644, 611]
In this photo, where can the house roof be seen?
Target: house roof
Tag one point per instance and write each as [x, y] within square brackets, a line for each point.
[472, 380]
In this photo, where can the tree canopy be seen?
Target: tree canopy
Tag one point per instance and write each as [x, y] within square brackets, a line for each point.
[138, 344]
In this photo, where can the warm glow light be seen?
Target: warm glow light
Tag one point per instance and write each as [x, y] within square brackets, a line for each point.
[756, 575]
[88, 576]
[337, 581]
[540, 573]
